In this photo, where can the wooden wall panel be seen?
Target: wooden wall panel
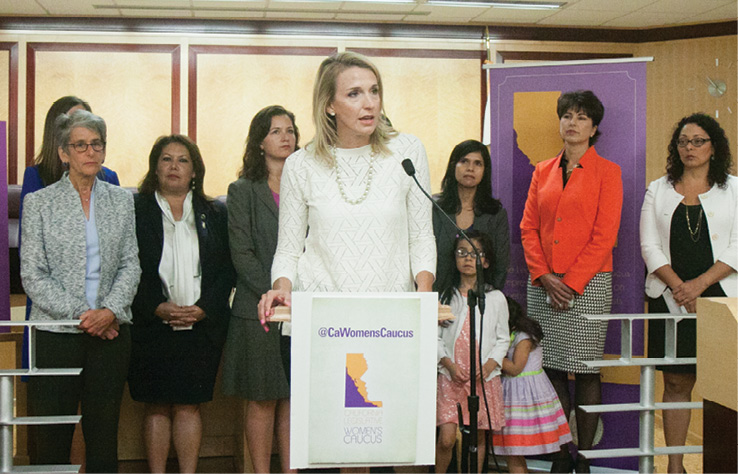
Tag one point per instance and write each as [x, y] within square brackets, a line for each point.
[677, 86]
[232, 86]
[9, 104]
[5, 91]
[436, 99]
[134, 88]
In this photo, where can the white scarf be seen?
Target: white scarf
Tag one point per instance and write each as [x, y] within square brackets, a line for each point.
[179, 268]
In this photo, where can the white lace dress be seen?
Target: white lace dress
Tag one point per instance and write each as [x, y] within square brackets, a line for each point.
[380, 244]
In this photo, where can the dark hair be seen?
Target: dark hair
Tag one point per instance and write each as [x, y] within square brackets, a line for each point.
[150, 182]
[584, 101]
[50, 167]
[518, 321]
[485, 243]
[449, 200]
[254, 166]
[720, 162]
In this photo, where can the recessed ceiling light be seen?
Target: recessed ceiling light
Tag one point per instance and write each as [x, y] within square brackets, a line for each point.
[498, 4]
[385, 2]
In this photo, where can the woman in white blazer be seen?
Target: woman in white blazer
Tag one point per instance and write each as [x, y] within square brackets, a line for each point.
[689, 241]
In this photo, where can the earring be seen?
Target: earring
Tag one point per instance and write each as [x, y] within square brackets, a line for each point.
[332, 114]
[712, 157]
[261, 153]
[192, 184]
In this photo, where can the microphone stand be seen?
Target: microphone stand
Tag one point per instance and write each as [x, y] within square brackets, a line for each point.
[475, 298]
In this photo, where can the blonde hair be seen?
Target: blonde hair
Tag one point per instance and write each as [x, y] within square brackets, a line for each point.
[324, 91]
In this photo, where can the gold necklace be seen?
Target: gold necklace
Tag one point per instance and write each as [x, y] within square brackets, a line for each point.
[694, 234]
[369, 178]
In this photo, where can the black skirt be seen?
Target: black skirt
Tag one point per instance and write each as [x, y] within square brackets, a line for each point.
[176, 367]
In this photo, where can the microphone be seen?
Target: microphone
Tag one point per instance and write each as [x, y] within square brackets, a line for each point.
[409, 168]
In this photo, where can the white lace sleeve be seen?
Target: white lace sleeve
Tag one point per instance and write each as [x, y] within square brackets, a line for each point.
[293, 219]
[419, 211]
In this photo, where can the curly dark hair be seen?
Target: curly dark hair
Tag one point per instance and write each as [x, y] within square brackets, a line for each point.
[520, 322]
[721, 160]
[449, 200]
[482, 240]
[587, 102]
[254, 166]
[150, 182]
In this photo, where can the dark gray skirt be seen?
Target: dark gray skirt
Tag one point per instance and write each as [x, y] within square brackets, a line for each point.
[256, 363]
[568, 338]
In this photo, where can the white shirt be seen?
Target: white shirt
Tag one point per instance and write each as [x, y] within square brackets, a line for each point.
[92, 269]
[179, 268]
[721, 210]
[378, 245]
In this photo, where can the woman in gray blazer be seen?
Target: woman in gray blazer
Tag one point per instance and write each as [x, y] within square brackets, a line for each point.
[257, 366]
[79, 260]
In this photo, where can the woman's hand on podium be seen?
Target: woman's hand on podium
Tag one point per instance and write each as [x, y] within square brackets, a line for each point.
[280, 295]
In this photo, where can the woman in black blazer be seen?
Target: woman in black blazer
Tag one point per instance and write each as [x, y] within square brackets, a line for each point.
[181, 311]
[256, 365]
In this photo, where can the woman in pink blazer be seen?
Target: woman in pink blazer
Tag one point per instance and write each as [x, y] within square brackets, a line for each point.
[569, 228]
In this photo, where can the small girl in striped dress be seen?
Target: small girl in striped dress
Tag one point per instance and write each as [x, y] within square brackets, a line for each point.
[534, 420]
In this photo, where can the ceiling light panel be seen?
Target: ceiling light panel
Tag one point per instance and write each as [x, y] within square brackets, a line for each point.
[500, 15]
[498, 4]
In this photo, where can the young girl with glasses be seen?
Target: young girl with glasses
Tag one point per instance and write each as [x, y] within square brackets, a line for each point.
[453, 352]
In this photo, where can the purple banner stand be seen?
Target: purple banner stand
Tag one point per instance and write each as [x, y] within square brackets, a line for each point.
[533, 89]
[4, 263]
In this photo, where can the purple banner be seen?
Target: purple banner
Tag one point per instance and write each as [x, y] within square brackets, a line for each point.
[525, 130]
[4, 263]
[514, 136]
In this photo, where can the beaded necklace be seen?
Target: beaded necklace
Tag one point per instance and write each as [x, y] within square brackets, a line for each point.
[339, 181]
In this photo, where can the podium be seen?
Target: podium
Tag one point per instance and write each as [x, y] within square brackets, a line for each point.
[717, 372]
[363, 381]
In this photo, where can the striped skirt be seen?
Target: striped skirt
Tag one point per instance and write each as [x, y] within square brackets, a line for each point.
[534, 420]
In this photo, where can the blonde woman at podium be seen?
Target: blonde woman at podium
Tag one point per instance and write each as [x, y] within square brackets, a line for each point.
[689, 241]
[370, 225]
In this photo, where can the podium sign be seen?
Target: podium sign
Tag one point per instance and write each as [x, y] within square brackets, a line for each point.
[363, 379]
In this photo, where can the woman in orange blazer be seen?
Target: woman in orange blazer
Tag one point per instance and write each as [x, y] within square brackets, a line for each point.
[569, 228]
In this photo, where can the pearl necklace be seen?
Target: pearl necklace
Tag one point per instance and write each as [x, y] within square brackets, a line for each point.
[369, 178]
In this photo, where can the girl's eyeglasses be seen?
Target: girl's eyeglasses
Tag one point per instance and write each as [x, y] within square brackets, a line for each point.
[463, 253]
